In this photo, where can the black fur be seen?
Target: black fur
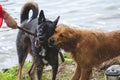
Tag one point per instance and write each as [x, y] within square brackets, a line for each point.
[37, 46]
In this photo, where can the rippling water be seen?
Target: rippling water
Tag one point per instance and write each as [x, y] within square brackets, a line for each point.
[90, 14]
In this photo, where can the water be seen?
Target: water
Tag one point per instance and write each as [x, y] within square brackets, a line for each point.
[89, 14]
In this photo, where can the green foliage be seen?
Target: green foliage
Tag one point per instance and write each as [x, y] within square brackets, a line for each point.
[102, 78]
[65, 73]
[27, 65]
[67, 58]
[9, 74]
[45, 78]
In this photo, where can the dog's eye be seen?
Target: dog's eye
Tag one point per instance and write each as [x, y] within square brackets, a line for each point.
[61, 35]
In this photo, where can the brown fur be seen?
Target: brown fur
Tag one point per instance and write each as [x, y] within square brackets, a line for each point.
[88, 48]
[110, 62]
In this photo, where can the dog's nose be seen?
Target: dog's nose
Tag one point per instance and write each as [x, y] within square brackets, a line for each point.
[52, 41]
[41, 38]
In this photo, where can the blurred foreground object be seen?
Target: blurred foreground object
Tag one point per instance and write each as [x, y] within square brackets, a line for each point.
[113, 72]
[1, 15]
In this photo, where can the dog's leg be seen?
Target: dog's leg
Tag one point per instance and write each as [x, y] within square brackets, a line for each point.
[39, 69]
[21, 63]
[77, 73]
[23, 47]
[39, 66]
[85, 73]
[19, 73]
[37, 60]
[22, 54]
[54, 71]
[31, 72]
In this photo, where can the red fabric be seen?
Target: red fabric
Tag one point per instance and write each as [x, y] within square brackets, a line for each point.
[1, 15]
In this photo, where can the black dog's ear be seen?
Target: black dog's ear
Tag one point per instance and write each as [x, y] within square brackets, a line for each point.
[56, 20]
[41, 17]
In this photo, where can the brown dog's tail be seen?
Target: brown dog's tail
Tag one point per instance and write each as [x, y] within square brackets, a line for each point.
[25, 11]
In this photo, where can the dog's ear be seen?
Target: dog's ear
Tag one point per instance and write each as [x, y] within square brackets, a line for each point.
[56, 20]
[41, 17]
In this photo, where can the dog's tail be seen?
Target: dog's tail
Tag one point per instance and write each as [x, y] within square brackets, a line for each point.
[25, 11]
[62, 57]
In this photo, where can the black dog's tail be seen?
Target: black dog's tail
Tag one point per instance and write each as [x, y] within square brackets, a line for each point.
[62, 57]
[25, 11]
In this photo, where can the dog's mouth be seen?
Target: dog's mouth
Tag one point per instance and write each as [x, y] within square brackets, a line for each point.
[38, 42]
[53, 43]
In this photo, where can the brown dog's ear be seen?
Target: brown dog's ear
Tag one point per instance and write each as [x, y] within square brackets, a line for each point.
[56, 20]
[41, 17]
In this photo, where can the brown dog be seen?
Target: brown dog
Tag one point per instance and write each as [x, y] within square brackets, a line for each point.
[88, 48]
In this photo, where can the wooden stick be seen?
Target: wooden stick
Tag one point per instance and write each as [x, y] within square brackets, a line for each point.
[26, 31]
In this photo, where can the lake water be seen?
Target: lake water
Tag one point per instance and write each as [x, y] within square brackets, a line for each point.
[89, 14]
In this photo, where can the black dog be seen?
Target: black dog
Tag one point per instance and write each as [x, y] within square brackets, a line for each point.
[36, 45]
